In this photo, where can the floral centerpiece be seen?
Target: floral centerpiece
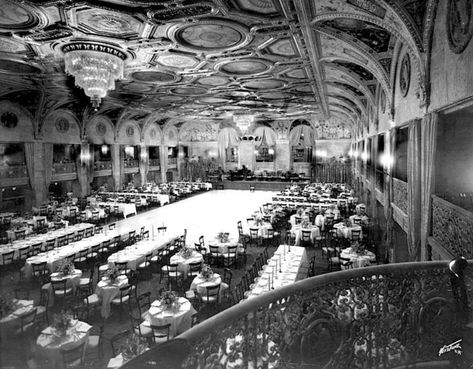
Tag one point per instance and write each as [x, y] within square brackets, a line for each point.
[62, 322]
[7, 305]
[357, 247]
[112, 273]
[223, 237]
[206, 272]
[169, 299]
[133, 346]
[66, 267]
[299, 212]
[258, 220]
[305, 224]
[185, 252]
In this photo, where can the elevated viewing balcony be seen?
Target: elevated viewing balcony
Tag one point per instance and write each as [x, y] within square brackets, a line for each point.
[387, 316]
[59, 168]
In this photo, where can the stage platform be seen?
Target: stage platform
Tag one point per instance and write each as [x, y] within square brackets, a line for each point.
[257, 185]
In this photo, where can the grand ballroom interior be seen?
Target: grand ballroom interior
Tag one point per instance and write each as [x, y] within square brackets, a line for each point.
[236, 184]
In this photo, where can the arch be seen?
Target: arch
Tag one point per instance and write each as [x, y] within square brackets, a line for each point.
[151, 134]
[16, 123]
[170, 135]
[348, 94]
[301, 133]
[268, 133]
[153, 118]
[129, 133]
[62, 127]
[100, 130]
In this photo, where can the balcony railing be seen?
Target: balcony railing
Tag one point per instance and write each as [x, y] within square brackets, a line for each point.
[59, 168]
[387, 316]
[131, 163]
[102, 165]
[172, 161]
[17, 171]
[154, 162]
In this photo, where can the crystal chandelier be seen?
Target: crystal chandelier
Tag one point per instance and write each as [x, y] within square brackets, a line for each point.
[95, 68]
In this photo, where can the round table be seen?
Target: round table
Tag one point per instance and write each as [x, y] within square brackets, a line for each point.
[49, 343]
[359, 260]
[73, 280]
[180, 318]
[200, 284]
[344, 231]
[183, 263]
[223, 246]
[107, 291]
[262, 229]
[297, 231]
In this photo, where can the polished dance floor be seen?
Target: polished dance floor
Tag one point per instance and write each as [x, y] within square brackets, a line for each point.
[203, 214]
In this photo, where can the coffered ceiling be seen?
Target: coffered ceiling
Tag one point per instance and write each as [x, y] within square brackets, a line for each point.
[187, 59]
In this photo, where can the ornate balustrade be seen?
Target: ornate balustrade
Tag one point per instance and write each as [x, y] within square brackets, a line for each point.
[17, 171]
[154, 162]
[131, 163]
[400, 194]
[172, 161]
[59, 168]
[102, 165]
[397, 315]
[452, 227]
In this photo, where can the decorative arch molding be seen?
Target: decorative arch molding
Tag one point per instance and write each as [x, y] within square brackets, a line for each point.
[62, 127]
[410, 42]
[16, 123]
[129, 133]
[151, 119]
[100, 130]
[367, 52]
[350, 95]
[429, 26]
[336, 100]
[336, 109]
[151, 134]
[170, 135]
[384, 82]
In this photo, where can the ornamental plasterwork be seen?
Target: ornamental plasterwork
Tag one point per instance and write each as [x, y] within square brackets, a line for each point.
[199, 132]
[332, 129]
[452, 228]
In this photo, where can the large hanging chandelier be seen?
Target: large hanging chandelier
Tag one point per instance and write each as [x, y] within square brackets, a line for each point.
[95, 67]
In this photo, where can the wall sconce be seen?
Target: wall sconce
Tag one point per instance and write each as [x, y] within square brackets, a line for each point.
[271, 151]
[364, 156]
[130, 151]
[321, 153]
[104, 149]
[256, 152]
[350, 153]
[392, 123]
[356, 154]
[386, 161]
[169, 150]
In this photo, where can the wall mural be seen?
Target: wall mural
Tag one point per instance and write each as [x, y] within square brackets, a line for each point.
[459, 24]
[199, 132]
[405, 75]
[370, 34]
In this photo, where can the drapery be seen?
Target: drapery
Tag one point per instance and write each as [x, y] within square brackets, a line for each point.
[414, 188]
[48, 165]
[428, 147]
[144, 164]
[227, 137]
[163, 158]
[295, 136]
[268, 133]
[29, 156]
[116, 166]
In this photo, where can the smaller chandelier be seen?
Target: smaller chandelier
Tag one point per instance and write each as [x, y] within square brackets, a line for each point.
[95, 67]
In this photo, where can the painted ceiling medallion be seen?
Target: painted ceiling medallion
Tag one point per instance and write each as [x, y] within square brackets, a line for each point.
[405, 75]
[213, 81]
[18, 17]
[177, 60]
[245, 67]
[154, 77]
[211, 35]
[264, 84]
[459, 24]
[213, 100]
[17, 67]
[189, 91]
[139, 87]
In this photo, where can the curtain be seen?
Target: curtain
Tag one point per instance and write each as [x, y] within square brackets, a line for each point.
[29, 156]
[144, 164]
[413, 193]
[268, 133]
[227, 137]
[295, 136]
[116, 166]
[428, 147]
[163, 157]
[48, 165]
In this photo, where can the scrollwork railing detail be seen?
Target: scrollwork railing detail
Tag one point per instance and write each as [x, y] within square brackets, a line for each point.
[400, 194]
[452, 227]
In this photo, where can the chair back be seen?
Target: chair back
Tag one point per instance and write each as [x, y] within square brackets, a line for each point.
[118, 340]
[20, 234]
[59, 287]
[144, 302]
[121, 265]
[355, 234]
[73, 354]
[160, 332]
[214, 250]
[27, 320]
[39, 269]
[212, 292]
[254, 233]
[227, 276]
[7, 257]
[306, 235]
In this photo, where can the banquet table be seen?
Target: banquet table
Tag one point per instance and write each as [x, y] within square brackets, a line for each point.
[200, 284]
[345, 231]
[297, 232]
[126, 208]
[11, 232]
[183, 262]
[292, 218]
[359, 260]
[223, 246]
[49, 342]
[135, 254]
[180, 318]
[284, 268]
[41, 238]
[108, 290]
[73, 280]
[54, 257]
[262, 228]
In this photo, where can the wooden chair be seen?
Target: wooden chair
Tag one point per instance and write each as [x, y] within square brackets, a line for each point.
[123, 299]
[230, 257]
[143, 303]
[73, 355]
[194, 269]
[20, 234]
[215, 258]
[118, 340]
[140, 329]
[160, 333]
[254, 236]
[27, 323]
[211, 295]
[306, 239]
[60, 290]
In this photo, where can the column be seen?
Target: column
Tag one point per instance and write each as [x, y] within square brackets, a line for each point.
[282, 152]
[84, 169]
[163, 158]
[38, 186]
[180, 156]
[144, 164]
[116, 166]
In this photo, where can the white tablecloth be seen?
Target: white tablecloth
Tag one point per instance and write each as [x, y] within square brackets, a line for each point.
[283, 269]
[126, 209]
[180, 320]
[358, 260]
[183, 263]
[262, 229]
[107, 291]
[223, 247]
[297, 231]
[200, 284]
[344, 231]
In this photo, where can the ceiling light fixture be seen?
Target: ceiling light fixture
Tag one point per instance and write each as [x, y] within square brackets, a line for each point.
[95, 67]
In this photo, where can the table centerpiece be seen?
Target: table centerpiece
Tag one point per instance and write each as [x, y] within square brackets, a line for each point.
[66, 267]
[112, 273]
[258, 220]
[305, 224]
[185, 252]
[206, 272]
[223, 237]
[357, 247]
[61, 323]
[169, 300]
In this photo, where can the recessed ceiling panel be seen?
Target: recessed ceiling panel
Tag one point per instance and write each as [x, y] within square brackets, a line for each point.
[177, 60]
[189, 91]
[213, 81]
[17, 16]
[245, 67]
[153, 77]
[264, 84]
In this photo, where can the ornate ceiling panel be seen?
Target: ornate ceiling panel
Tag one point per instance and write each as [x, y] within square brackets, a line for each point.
[188, 58]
